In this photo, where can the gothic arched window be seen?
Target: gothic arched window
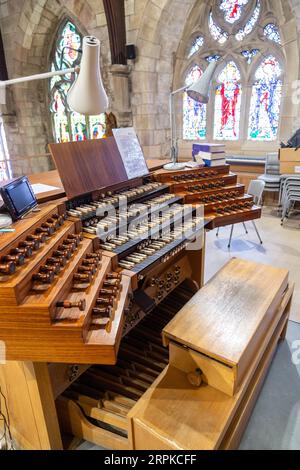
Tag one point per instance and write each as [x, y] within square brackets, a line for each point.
[68, 125]
[246, 91]
[265, 101]
[194, 119]
[228, 104]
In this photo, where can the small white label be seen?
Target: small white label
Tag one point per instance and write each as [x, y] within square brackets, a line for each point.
[297, 169]
[2, 352]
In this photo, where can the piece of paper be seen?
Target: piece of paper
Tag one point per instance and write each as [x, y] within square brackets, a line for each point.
[39, 188]
[131, 152]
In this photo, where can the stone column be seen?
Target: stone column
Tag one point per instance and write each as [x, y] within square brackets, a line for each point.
[120, 104]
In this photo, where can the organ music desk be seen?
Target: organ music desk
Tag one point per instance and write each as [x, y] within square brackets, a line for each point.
[95, 345]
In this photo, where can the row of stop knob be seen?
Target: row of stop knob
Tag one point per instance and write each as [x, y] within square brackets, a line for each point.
[108, 295]
[27, 248]
[206, 186]
[194, 176]
[87, 269]
[58, 260]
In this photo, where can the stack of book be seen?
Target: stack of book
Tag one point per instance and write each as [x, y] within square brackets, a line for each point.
[211, 154]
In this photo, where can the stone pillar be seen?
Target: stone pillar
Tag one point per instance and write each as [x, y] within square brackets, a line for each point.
[120, 104]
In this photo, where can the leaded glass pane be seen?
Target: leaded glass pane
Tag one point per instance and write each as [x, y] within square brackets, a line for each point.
[249, 54]
[79, 127]
[97, 127]
[194, 114]
[228, 104]
[265, 101]
[249, 26]
[272, 33]
[232, 9]
[196, 45]
[217, 33]
[61, 125]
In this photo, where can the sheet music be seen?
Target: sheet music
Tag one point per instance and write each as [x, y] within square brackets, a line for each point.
[131, 152]
[39, 188]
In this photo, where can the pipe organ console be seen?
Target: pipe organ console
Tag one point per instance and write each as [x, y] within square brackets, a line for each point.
[87, 286]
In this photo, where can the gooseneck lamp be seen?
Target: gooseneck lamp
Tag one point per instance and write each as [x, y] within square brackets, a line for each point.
[198, 91]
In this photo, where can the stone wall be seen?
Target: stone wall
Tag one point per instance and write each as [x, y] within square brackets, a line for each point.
[158, 28]
[29, 30]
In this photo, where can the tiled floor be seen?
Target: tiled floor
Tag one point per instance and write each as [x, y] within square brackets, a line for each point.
[275, 422]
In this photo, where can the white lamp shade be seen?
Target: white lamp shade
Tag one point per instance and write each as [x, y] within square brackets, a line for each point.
[87, 95]
[199, 91]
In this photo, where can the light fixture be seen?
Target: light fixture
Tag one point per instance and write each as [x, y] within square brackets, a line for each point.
[198, 91]
[87, 95]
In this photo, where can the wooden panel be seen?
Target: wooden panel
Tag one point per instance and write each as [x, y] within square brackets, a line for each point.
[173, 414]
[115, 16]
[213, 322]
[63, 375]
[87, 166]
[73, 421]
[235, 432]
[170, 176]
[289, 155]
[31, 405]
[235, 217]
[214, 373]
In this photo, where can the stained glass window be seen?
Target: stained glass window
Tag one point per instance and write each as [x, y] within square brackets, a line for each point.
[228, 104]
[272, 33]
[232, 9]
[249, 54]
[217, 33]
[68, 125]
[249, 26]
[239, 20]
[194, 114]
[265, 101]
[196, 45]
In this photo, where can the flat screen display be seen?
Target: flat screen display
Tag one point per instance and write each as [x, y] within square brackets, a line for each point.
[18, 197]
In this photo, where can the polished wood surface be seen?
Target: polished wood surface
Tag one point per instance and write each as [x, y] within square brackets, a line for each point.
[213, 322]
[146, 398]
[87, 166]
[52, 178]
[224, 199]
[30, 400]
[115, 17]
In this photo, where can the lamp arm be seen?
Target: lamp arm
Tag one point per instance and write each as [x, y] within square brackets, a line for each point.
[175, 92]
[40, 76]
